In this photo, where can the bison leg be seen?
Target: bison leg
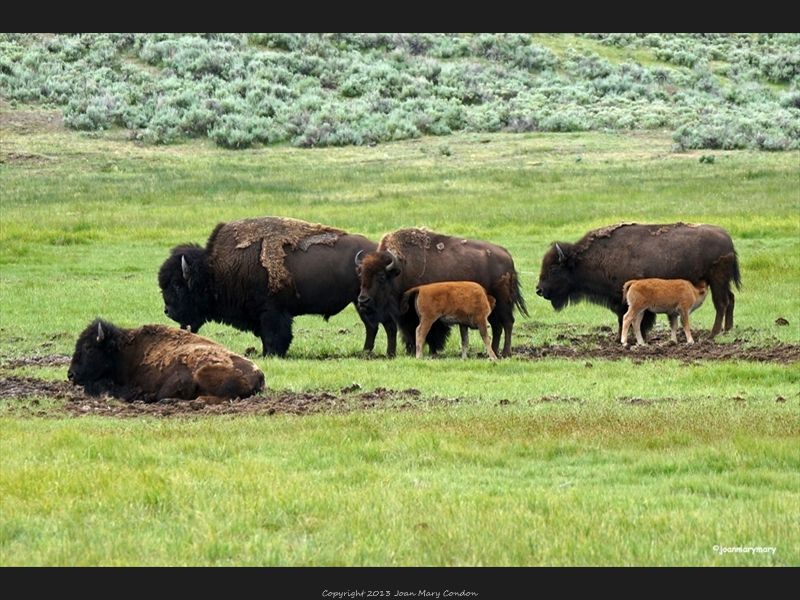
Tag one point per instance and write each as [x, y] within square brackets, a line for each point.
[422, 330]
[369, 339]
[485, 335]
[686, 330]
[637, 327]
[219, 381]
[502, 322]
[276, 332]
[721, 308]
[723, 303]
[465, 340]
[508, 327]
[625, 326]
[646, 322]
[673, 325]
[437, 336]
[180, 384]
[390, 327]
[729, 312]
[497, 331]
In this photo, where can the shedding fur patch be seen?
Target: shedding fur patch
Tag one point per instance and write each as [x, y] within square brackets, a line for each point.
[608, 230]
[396, 241]
[273, 233]
[505, 289]
[194, 350]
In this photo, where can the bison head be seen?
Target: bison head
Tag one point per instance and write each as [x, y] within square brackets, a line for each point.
[94, 358]
[556, 280]
[185, 282]
[377, 271]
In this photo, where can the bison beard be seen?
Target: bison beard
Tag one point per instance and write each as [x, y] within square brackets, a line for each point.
[596, 267]
[155, 362]
[258, 274]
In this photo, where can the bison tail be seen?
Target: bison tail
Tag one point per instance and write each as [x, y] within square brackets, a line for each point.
[625, 288]
[406, 299]
[519, 301]
[514, 289]
[735, 275]
[725, 270]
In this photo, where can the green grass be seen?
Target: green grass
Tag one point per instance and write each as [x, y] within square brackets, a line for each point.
[554, 484]
[525, 462]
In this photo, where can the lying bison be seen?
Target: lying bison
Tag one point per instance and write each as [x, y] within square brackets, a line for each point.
[155, 362]
[674, 297]
[596, 267]
[410, 257]
[258, 274]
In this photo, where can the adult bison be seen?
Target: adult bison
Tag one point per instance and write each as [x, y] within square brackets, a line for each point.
[258, 274]
[596, 267]
[155, 362]
[416, 256]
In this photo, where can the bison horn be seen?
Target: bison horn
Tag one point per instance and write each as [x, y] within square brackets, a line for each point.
[358, 260]
[561, 256]
[100, 335]
[185, 268]
[392, 264]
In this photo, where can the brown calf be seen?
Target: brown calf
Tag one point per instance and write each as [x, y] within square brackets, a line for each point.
[671, 296]
[463, 302]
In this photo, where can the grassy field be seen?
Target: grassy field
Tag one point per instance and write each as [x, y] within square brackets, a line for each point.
[545, 461]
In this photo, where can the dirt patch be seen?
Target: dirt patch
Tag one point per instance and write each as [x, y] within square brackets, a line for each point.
[600, 344]
[37, 360]
[27, 396]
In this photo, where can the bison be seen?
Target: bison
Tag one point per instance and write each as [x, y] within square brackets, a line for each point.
[671, 296]
[463, 302]
[596, 267]
[156, 362]
[258, 274]
[416, 256]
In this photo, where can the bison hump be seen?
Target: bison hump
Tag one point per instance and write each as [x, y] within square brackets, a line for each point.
[273, 233]
[609, 231]
[398, 241]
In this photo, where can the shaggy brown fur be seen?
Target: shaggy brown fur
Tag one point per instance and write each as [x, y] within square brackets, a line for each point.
[155, 362]
[608, 230]
[671, 296]
[273, 233]
[397, 241]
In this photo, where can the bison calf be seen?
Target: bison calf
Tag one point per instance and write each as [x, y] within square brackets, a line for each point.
[671, 296]
[454, 302]
[155, 362]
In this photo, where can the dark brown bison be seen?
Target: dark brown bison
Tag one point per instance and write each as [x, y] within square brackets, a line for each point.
[596, 267]
[258, 274]
[411, 257]
[155, 362]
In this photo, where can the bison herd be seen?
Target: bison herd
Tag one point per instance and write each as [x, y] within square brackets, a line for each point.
[258, 274]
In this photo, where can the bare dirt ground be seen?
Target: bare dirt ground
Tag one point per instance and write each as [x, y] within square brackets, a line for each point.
[36, 397]
[599, 345]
